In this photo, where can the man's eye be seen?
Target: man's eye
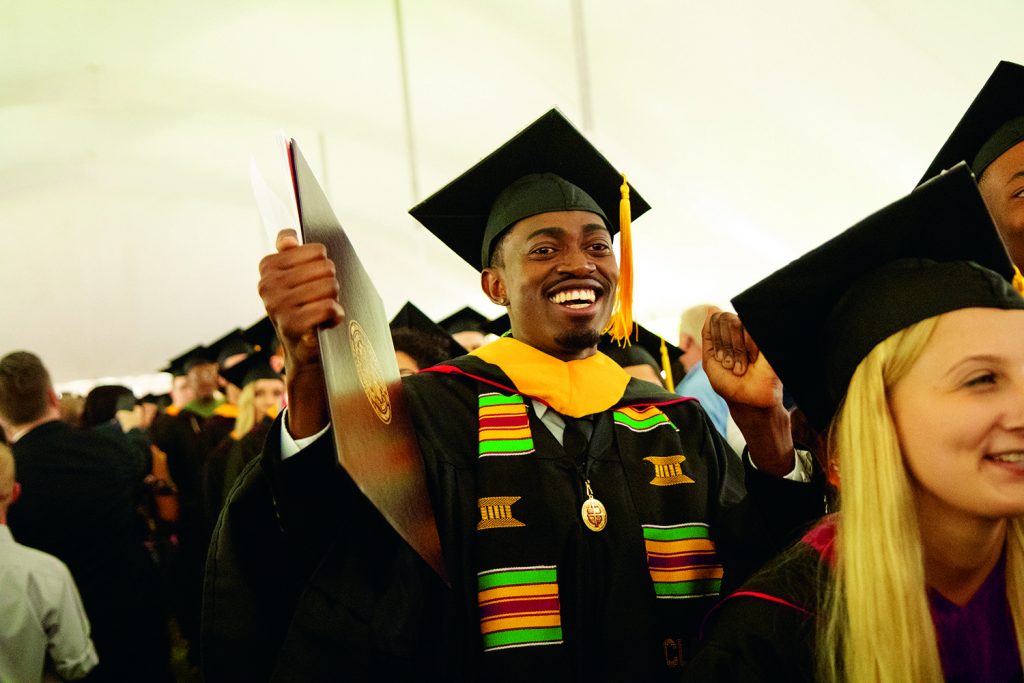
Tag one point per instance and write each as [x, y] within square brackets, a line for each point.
[599, 246]
[543, 251]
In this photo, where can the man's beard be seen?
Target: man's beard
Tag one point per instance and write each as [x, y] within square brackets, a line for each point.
[578, 339]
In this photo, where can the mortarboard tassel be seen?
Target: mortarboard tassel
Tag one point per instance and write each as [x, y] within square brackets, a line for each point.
[666, 365]
[1018, 280]
[620, 325]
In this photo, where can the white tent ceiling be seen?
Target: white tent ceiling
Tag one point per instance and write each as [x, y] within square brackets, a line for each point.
[756, 130]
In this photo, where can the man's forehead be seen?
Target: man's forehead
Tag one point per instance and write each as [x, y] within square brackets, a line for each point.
[1009, 165]
[554, 222]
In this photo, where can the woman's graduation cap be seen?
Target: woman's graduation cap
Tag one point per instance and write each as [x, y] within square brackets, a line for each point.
[549, 166]
[465, 319]
[991, 125]
[412, 318]
[255, 366]
[934, 251]
[262, 335]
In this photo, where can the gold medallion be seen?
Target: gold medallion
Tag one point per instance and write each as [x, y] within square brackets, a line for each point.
[595, 517]
[368, 369]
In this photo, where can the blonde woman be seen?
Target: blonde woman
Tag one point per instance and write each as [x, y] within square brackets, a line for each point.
[901, 335]
[259, 401]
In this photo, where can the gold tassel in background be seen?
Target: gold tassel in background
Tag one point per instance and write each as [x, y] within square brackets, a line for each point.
[666, 366]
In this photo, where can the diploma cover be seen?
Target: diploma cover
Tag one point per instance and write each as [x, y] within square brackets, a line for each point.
[373, 434]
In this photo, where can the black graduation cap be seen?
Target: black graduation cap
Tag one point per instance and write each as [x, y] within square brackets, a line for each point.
[176, 366]
[934, 251]
[464, 320]
[231, 344]
[196, 356]
[549, 166]
[992, 124]
[412, 318]
[261, 335]
[253, 367]
[646, 348]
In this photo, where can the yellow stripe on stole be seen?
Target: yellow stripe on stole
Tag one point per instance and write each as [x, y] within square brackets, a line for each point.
[503, 411]
[502, 434]
[689, 574]
[689, 545]
[503, 623]
[533, 590]
[638, 413]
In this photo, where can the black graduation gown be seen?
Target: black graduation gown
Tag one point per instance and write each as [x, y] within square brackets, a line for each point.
[342, 592]
[766, 630]
[77, 503]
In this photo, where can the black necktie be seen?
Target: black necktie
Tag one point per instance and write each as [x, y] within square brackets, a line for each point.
[574, 438]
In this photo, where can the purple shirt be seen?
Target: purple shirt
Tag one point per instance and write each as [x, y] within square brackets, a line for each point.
[976, 641]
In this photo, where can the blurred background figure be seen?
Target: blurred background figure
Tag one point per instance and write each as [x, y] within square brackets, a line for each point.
[44, 625]
[694, 381]
[260, 398]
[466, 326]
[648, 357]
[421, 343]
[71, 406]
[78, 494]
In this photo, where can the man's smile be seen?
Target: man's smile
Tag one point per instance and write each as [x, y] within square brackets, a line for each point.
[579, 295]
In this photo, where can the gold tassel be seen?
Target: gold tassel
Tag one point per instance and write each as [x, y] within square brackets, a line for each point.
[620, 326]
[666, 365]
[1018, 280]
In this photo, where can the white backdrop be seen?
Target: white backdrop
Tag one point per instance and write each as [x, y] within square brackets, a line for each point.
[756, 130]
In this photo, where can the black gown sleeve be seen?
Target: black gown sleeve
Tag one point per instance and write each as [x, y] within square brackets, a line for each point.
[757, 515]
[753, 639]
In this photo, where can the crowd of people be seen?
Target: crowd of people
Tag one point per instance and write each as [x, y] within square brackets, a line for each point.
[827, 485]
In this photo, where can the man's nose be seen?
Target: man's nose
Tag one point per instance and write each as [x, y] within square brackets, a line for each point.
[576, 261]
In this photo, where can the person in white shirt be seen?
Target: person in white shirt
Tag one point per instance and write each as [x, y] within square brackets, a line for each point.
[44, 627]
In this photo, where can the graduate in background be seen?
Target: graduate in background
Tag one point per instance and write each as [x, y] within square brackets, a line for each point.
[990, 138]
[902, 336]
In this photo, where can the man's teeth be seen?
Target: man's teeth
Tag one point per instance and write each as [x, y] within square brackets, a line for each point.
[1008, 457]
[574, 298]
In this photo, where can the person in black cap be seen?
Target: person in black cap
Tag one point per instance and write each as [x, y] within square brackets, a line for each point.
[467, 327]
[261, 336]
[990, 137]
[186, 439]
[900, 336]
[420, 342]
[229, 350]
[649, 357]
[262, 392]
[587, 519]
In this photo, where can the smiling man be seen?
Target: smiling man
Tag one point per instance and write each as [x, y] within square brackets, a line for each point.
[587, 519]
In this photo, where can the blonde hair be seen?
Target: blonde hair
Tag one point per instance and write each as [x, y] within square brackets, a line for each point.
[7, 473]
[876, 624]
[246, 419]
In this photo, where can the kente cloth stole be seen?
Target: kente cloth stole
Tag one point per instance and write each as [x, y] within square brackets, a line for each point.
[518, 544]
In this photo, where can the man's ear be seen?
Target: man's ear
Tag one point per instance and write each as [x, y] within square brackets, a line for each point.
[53, 399]
[492, 281]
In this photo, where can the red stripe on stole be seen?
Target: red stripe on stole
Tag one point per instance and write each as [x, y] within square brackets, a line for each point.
[681, 561]
[513, 607]
[515, 421]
